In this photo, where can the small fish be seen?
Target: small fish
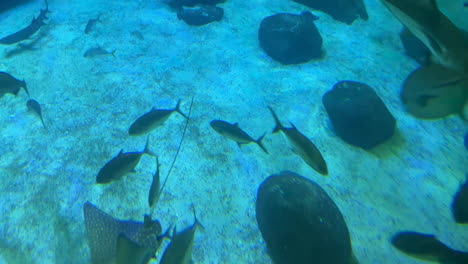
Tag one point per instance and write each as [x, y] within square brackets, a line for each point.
[137, 34]
[129, 252]
[302, 146]
[235, 133]
[121, 165]
[465, 4]
[179, 250]
[35, 107]
[428, 248]
[91, 24]
[460, 204]
[98, 51]
[153, 119]
[155, 187]
[9, 84]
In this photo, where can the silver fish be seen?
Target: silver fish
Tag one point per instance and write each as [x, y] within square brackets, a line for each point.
[302, 146]
[155, 187]
[152, 120]
[235, 133]
[179, 250]
[121, 165]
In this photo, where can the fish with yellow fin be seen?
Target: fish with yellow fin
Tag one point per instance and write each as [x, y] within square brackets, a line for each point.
[180, 248]
[428, 248]
[434, 91]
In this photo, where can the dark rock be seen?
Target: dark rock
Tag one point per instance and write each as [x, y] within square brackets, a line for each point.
[342, 10]
[358, 115]
[300, 223]
[414, 47]
[290, 38]
[201, 15]
[191, 3]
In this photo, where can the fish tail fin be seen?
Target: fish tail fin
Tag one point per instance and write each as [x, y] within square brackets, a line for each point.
[167, 233]
[25, 87]
[177, 109]
[147, 150]
[260, 144]
[43, 124]
[113, 53]
[197, 222]
[278, 126]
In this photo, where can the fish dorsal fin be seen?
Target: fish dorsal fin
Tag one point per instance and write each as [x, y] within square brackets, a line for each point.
[120, 153]
[130, 252]
[147, 221]
[197, 223]
[167, 233]
[236, 124]
[292, 125]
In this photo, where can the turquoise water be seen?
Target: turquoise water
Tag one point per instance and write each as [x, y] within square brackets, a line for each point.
[88, 105]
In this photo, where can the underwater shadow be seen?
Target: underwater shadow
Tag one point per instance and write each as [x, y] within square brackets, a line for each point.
[5, 5]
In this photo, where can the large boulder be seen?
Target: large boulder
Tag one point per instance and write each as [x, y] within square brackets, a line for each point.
[290, 38]
[358, 115]
[300, 223]
[199, 16]
[342, 10]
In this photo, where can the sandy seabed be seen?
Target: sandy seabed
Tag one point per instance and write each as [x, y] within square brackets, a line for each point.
[88, 104]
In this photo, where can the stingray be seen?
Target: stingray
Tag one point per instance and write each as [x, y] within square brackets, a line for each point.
[434, 91]
[105, 233]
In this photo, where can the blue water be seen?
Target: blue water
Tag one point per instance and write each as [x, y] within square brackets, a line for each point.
[88, 105]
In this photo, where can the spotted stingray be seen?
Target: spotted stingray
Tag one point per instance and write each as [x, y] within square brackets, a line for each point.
[104, 231]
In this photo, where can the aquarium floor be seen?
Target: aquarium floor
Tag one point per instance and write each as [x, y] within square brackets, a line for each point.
[88, 104]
